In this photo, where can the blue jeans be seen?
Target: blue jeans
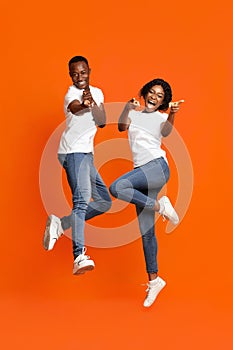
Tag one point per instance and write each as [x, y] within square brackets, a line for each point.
[141, 187]
[85, 183]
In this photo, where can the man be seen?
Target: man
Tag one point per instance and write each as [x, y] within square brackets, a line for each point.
[84, 111]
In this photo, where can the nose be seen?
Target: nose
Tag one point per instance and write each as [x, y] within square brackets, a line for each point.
[153, 96]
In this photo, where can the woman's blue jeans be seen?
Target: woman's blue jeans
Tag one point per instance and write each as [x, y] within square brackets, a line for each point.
[85, 183]
[141, 187]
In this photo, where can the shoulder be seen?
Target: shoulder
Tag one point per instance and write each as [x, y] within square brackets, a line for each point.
[161, 115]
[96, 90]
[72, 90]
[134, 114]
[97, 94]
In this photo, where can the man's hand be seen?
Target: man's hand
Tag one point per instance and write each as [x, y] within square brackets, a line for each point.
[87, 98]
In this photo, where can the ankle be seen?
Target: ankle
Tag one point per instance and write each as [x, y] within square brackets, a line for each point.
[156, 206]
[152, 276]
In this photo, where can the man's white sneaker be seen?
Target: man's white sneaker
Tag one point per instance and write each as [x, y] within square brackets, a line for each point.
[53, 231]
[83, 263]
[154, 287]
[167, 210]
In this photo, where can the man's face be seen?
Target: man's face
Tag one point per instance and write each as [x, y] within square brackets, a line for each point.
[79, 73]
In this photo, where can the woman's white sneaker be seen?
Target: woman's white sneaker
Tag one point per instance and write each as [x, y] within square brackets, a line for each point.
[53, 231]
[154, 287]
[167, 210]
[83, 263]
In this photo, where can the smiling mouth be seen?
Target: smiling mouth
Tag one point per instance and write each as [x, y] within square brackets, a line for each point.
[152, 103]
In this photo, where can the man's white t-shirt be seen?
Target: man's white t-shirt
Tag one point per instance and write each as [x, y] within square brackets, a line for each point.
[81, 128]
[144, 135]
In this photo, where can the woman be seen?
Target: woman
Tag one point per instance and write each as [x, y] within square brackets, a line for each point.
[151, 171]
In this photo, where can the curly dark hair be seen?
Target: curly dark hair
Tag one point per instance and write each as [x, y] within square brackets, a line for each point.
[77, 59]
[167, 92]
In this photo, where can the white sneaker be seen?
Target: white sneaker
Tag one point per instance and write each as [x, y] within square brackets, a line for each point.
[167, 210]
[154, 287]
[83, 263]
[52, 232]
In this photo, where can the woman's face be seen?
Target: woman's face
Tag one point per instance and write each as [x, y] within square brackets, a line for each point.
[154, 98]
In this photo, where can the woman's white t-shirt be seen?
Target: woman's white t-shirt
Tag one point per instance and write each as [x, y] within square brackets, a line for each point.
[144, 135]
[81, 128]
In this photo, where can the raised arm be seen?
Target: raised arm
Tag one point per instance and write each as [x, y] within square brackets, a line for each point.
[89, 103]
[168, 125]
[124, 120]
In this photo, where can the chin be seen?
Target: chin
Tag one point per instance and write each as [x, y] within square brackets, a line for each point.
[150, 109]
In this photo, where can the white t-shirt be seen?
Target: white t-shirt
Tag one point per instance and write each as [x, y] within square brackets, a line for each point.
[80, 129]
[145, 136]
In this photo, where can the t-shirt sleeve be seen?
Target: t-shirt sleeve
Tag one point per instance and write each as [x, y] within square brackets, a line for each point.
[99, 97]
[164, 116]
[131, 115]
[71, 95]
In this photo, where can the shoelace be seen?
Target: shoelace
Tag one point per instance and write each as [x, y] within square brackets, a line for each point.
[149, 287]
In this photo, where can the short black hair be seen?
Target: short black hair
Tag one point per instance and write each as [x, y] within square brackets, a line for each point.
[167, 92]
[78, 59]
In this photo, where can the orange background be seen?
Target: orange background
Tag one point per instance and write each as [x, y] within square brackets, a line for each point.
[127, 43]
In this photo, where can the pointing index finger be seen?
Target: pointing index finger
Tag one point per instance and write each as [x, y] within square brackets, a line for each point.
[175, 104]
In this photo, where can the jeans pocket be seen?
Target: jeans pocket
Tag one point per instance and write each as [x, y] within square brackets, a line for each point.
[61, 158]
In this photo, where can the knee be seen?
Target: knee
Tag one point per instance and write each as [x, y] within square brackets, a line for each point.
[112, 190]
[106, 205]
[119, 186]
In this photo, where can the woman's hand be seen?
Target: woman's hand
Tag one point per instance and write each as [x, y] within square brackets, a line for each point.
[124, 121]
[175, 106]
[166, 127]
[132, 104]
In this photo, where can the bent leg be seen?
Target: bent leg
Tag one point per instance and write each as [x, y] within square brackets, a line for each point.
[131, 186]
[101, 199]
[99, 192]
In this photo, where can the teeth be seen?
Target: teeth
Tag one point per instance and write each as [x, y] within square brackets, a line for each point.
[151, 102]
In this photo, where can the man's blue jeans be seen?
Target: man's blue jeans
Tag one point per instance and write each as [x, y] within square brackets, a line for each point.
[141, 187]
[85, 183]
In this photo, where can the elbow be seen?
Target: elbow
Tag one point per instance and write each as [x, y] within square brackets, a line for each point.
[122, 127]
[102, 125]
[165, 133]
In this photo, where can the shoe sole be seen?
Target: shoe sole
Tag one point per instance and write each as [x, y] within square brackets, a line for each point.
[46, 240]
[83, 269]
[174, 222]
[47, 237]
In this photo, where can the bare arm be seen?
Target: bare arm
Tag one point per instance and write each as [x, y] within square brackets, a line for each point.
[124, 121]
[76, 106]
[168, 125]
[99, 115]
